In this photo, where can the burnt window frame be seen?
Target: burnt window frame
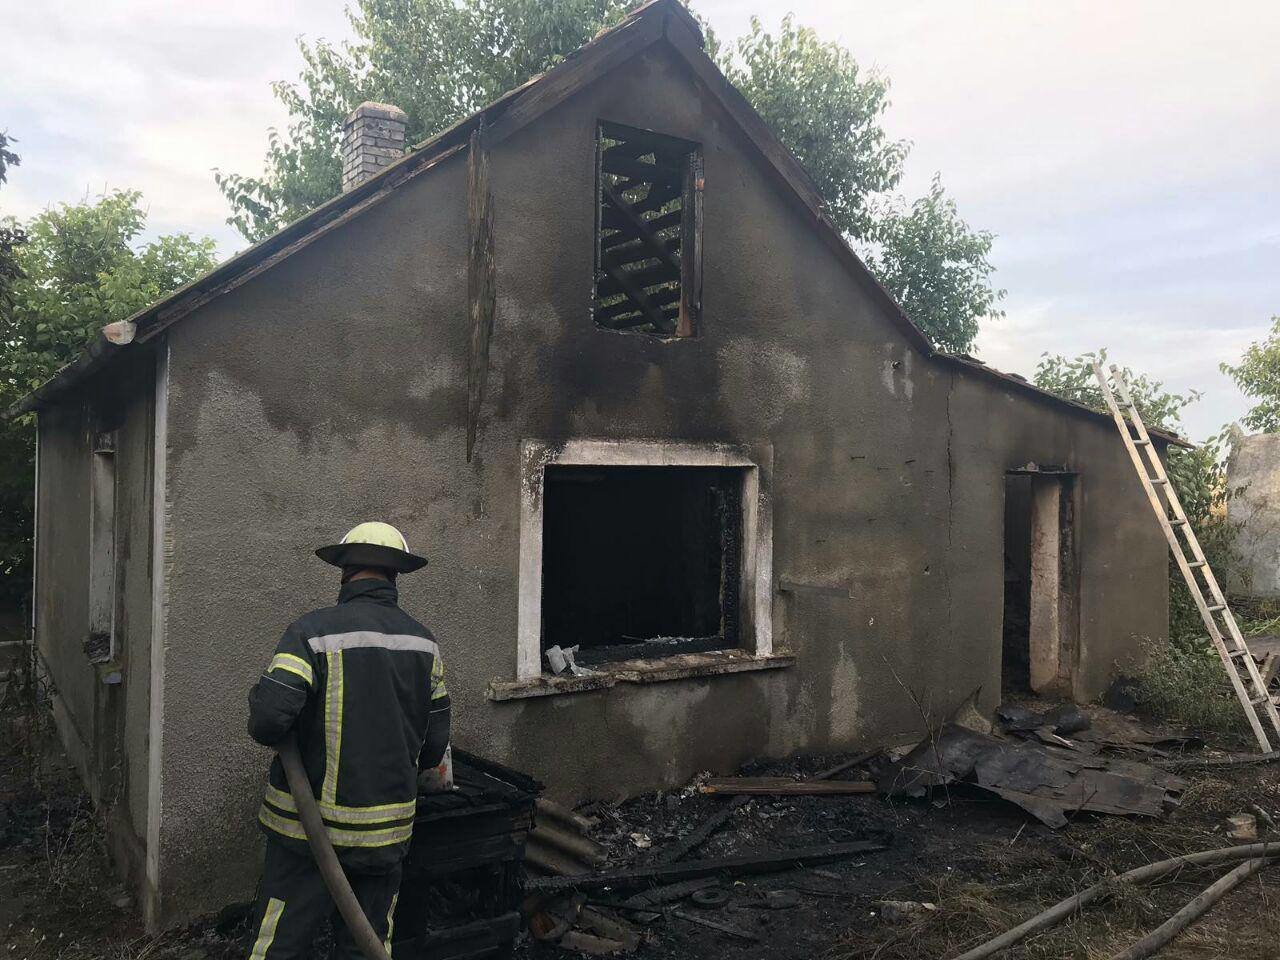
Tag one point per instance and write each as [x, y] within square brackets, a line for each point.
[646, 307]
[755, 642]
[666, 499]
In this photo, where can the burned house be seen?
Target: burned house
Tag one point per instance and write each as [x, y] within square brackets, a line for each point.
[598, 351]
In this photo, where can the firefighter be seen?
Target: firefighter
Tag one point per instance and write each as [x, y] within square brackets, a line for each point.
[362, 685]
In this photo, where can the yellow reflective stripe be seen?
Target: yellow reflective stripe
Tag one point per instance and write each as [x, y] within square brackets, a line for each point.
[332, 728]
[336, 811]
[267, 932]
[437, 679]
[295, 665]
[340, 838]
[281, 799]
[391, 922]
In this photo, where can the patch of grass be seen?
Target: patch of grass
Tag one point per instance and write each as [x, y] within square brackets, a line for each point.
[1182, 680]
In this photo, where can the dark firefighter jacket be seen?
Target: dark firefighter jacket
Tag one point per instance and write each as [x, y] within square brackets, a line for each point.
[363, 684]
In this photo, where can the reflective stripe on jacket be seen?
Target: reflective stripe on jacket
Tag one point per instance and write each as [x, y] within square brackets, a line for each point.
[363, 684]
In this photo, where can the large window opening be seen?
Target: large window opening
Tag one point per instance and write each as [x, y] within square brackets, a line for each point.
[641, 562]
[1040, 582]
[648, 232]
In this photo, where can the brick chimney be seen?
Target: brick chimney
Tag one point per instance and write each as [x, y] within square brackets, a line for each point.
[372, 139]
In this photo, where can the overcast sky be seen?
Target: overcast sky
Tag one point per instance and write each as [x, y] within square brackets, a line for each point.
[1126, 154]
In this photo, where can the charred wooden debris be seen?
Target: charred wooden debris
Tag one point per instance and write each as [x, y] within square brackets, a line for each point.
[598, 883]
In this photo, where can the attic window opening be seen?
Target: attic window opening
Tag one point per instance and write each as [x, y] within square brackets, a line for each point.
[641, 562]
[648, 271]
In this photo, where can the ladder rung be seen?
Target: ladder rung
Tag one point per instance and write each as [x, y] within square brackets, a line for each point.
[1259, 701]
[1216, 607]
[1157, 481]
[1142, 443]
[1194, 564]
[1177, 522]
[1237, 654]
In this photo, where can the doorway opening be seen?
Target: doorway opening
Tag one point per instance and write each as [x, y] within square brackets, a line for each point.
[1040, 620]
[641, 562]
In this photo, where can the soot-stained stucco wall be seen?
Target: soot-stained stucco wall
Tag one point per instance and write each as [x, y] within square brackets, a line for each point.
[1123, 576]
[62, 570]
[332, 389]
[103, 723]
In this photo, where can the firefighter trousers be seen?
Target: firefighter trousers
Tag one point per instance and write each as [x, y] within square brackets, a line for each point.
[294, 902]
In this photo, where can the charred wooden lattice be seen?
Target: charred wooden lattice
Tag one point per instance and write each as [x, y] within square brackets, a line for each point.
[648, 232]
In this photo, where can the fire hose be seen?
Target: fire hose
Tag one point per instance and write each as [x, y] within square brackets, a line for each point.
[344, 897]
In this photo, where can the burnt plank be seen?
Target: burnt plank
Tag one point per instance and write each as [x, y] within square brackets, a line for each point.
[659, 195]
[616, 242]
[635, 252]
[660, 296]
[785, 786]
[481, 283]
[636, 877]
[611, 219]
[697, 837]
[691, 249]
[671, 219]
[640, 227]
[613, 161]
[620, 316]
[645, 277]
[647, 140]
[634, 293]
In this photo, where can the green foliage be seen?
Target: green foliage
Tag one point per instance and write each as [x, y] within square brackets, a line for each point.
[1258, 376]
[7, 157]
[1184, 682]
[77, 270]
[11, 236]
[938, 268]
[1073, 379]
[816, 99]
[440, 60]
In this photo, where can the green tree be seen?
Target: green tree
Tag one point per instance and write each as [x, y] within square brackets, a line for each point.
[439, 60]
[815, 97]
[1258, 376]
[79, 268]
[7, 157]
[937, 267]
[11, 236]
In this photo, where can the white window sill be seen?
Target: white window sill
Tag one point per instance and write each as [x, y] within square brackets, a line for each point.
[679, 667]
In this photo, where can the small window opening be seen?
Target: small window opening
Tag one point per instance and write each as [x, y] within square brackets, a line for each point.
[641, 562]
[648, 232]
[99, 645]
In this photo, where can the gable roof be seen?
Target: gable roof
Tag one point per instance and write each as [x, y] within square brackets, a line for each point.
[654, 21]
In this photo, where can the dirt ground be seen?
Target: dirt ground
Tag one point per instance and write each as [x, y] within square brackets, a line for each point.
[986, 867]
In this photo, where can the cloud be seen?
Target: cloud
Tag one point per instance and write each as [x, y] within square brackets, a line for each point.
[1124, 153]
[148, 95]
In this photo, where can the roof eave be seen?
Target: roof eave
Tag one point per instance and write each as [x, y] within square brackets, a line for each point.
[636, 31]
[971, 365]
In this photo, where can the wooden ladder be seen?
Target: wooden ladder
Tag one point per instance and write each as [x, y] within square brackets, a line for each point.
[1241, 669]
